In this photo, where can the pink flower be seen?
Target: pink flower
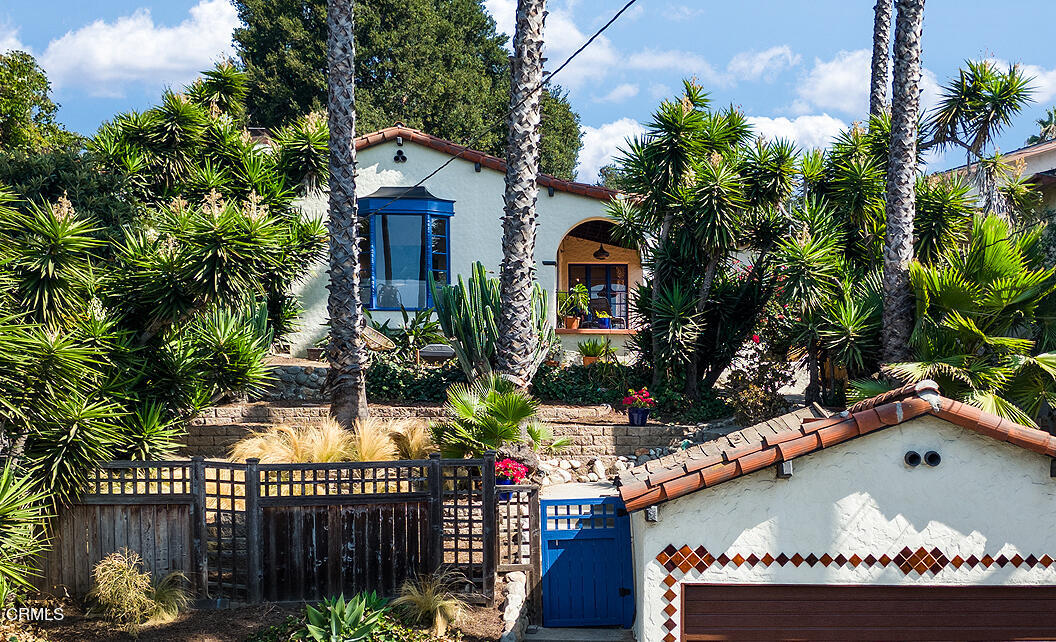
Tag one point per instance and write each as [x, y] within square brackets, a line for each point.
[755, 338]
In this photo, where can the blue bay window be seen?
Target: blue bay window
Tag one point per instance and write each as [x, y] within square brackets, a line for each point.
[408, 237]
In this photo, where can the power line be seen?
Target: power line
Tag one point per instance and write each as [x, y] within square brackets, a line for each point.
[476, 137]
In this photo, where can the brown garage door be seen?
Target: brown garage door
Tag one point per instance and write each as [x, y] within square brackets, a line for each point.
[813, 612]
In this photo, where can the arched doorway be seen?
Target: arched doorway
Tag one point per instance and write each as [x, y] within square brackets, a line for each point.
[590, 255]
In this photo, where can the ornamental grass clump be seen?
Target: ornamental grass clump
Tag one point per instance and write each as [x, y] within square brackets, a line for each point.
[323, 442]
[371, 441]
[127, 596]
[430, 600]
[413, 439]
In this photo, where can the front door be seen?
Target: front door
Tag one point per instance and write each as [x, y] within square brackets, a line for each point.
[587, 574]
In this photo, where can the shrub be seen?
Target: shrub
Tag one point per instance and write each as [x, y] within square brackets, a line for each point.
[487, 415]
[600, 383]
[430, 601]
[325, 441]
[127, 596]
[389, 379]
[150, 434]
[752, 387]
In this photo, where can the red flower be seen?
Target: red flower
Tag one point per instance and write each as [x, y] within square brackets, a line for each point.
[755, 338]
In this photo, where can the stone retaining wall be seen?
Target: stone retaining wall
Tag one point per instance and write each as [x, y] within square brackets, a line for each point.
[297, 382]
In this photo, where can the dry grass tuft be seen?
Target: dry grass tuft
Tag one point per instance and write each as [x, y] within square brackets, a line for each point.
[413, 439]
[371, 441]
[323, 442]
[430, 600]
[127, 597]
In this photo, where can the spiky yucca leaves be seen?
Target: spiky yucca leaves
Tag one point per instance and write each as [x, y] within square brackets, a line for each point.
[149, 433]
[981, 319]
[22, 519]
[302, 152]
[483, 416]
[232, 346]
[221, 90]
[47, 253]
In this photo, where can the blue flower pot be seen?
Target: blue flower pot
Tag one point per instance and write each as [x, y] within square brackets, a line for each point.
[504, 482]
[605, 323]
[637, 416]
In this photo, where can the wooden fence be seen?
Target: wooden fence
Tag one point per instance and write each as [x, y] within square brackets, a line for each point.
[252, 532]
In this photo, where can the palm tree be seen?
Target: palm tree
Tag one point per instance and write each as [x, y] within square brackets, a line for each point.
[346, 352]
[516, 336]
[1047, 128]
[881, 74]
[901, 181]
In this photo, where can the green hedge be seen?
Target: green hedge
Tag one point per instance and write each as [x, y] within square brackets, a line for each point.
[392, 380]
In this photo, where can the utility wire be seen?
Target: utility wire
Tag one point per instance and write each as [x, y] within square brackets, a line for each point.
[476, 137]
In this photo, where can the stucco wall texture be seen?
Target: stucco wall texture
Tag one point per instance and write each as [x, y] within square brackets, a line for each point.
[985, 498]
[476, 227]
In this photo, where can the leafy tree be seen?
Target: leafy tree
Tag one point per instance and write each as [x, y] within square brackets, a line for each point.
[27, 113]
[450, 77]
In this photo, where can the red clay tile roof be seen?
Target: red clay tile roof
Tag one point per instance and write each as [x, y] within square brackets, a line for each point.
[805, 431]
[474, 156]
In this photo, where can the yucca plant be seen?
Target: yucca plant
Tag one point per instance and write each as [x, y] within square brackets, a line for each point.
[149, 433]
[22, 520]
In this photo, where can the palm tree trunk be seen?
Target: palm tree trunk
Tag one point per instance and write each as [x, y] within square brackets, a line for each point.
[881, 71]
[346, 352]
[516, 337]
[901, 181]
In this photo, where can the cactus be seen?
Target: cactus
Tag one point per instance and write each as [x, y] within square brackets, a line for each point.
[467, 312]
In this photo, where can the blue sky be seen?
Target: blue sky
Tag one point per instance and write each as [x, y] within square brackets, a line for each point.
[799, 69]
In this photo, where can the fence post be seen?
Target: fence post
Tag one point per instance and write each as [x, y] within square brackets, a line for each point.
[198, 529]
[254, 541]
[488, 515]
[535, 582]
[436, 514]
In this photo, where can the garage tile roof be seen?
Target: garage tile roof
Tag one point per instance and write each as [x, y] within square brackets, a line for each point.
[805, 431]
[474, 156]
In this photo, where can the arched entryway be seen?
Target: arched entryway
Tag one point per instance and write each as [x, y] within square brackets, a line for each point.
[590, 255]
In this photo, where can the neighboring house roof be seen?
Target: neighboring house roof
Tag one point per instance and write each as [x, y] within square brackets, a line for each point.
[474, 156]
[806, 431]
[1025, 154]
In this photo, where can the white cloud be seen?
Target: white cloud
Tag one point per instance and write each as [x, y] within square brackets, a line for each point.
[679, 12]
[1044, 82]
[561, 37]
[600, 145]
[106, 57]
[619, 93]
[9, 38]
[841, 83]
[658, 91]
[753, 65]
[809, 132]
[673, 60]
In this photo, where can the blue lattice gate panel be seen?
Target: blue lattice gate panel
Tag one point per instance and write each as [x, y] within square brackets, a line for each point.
[587, 574]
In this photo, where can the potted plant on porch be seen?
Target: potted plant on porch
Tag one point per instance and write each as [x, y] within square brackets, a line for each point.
[573, 305]
[593, 349]
[638, 405]
[509, 472]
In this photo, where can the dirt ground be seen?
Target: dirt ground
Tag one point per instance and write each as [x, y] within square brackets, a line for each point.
[231, 625]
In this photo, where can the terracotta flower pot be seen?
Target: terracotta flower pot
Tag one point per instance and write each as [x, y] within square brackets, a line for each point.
[589, 360]
[572, 323]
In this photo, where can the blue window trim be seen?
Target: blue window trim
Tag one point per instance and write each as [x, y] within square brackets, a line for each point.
[428, 209]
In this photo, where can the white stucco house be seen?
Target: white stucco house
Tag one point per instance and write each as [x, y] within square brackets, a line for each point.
[455, 219]
[909, 516]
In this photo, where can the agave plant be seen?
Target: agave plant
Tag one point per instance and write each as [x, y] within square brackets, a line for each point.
[335, 620]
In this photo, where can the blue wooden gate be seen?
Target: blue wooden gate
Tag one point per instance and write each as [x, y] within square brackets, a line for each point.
[587, 574]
